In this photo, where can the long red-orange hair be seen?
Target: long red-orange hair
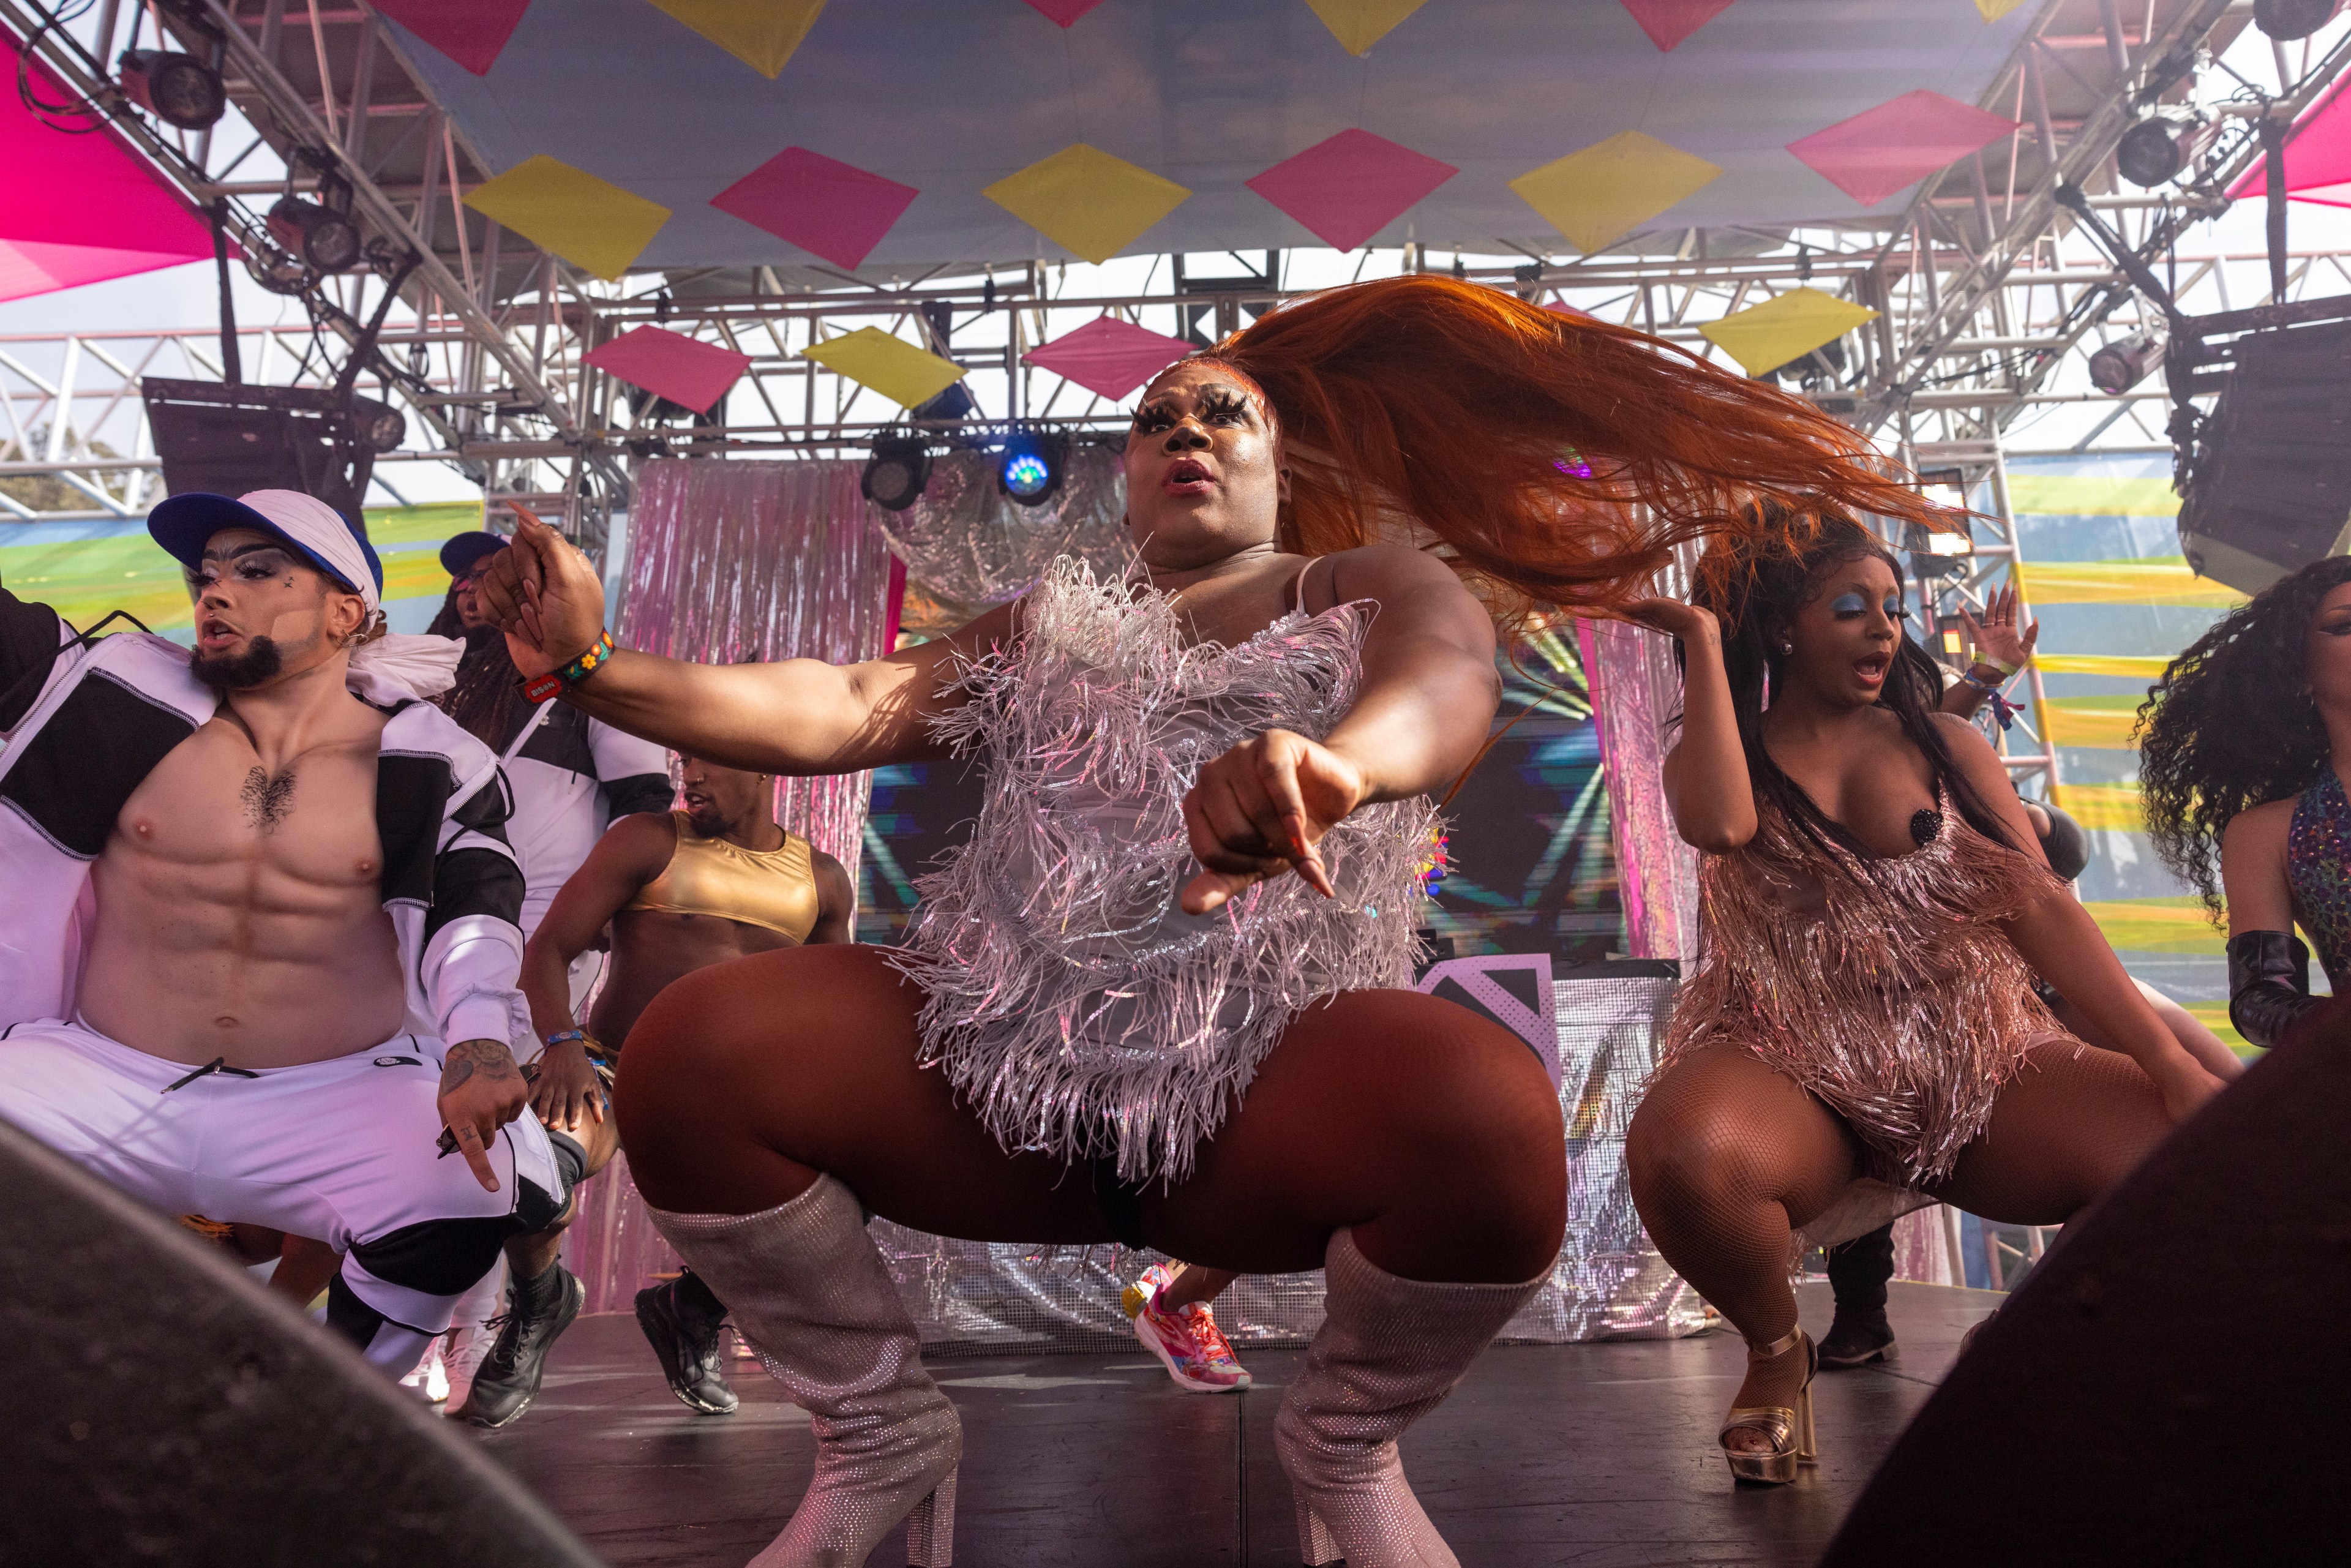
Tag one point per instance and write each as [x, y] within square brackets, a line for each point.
[1557, 460]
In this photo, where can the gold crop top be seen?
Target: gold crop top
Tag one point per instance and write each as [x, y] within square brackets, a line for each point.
[775, 889]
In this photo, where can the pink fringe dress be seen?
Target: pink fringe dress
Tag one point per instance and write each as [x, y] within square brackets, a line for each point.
[1884, 985]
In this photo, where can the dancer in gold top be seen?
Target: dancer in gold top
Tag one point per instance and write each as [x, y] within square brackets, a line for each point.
[680, 890]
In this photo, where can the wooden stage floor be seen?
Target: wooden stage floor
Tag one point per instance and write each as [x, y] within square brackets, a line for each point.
[1594, 1454]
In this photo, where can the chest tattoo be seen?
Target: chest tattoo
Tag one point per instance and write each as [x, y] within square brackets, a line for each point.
[267, 797]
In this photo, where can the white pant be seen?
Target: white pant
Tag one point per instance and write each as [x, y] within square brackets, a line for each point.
[341, 1150]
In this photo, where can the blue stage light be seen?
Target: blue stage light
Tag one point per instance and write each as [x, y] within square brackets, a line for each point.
[1026, 475]
[1031, 470]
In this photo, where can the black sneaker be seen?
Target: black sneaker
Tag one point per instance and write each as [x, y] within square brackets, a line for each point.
[685, 1338]
[507, 1380]
[1857, 1341]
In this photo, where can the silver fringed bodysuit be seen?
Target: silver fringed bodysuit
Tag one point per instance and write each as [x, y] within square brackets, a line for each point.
[1883, 985]
[1071, 1002]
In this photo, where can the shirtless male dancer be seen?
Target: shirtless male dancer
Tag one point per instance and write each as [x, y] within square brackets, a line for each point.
[681, 891]
[251, 891]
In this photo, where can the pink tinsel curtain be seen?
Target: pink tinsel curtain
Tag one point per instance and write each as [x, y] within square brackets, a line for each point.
[1635, 690]
[727, 562]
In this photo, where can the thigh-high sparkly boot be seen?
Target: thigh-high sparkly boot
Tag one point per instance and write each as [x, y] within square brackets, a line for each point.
[1389, 1350]
[807, 1289]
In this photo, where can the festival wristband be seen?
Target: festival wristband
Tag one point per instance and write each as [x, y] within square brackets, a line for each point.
[566, 1036]
[2002, 666]
[540, 688]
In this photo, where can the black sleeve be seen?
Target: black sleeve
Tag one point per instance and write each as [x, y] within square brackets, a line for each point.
[640, 792]
[2269, 985]
[28, 646]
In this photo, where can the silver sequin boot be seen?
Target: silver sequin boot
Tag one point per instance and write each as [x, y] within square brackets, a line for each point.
[1389, 1350]
[805, 1286]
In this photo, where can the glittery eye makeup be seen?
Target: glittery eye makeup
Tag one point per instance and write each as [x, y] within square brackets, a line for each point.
[1848, 605]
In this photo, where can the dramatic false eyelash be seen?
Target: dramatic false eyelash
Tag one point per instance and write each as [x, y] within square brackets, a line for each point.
[1218, 404]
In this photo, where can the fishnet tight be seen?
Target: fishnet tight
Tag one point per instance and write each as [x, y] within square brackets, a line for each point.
[1727, 1157]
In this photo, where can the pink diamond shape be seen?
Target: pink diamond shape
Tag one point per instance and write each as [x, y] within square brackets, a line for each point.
[1881, 150]
[1351, 186]
[1065, 11]
[821, 204]
[470, 32]
[691, 374]
[1668, 22]
[1109, 356]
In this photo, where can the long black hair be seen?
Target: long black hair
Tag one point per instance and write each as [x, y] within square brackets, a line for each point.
[1756, 596]
[487, 700]
[2232, 723]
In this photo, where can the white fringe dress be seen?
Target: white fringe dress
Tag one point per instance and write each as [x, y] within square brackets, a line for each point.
[1071, 1002]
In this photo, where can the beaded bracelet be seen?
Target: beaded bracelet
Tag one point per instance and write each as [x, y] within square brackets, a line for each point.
[539, 688]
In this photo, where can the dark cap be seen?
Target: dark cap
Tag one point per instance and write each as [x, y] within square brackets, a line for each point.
[462, 554]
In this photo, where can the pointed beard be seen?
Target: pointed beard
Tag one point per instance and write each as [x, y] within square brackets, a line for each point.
[260, 663]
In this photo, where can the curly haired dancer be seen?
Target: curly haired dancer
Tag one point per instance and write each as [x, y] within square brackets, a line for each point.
[1874, 907]
[1095, 1035]
[2240, 762]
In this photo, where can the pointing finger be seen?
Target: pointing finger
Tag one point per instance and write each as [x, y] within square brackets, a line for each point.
[1279, 774]
[469, 1144]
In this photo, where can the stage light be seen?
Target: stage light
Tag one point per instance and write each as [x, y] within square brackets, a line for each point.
[176, 88]
[2120, 366]
[2149, 154]
[897, 471]
[1030, 469]
[381, 425]
[322, 237]
[2288, 19]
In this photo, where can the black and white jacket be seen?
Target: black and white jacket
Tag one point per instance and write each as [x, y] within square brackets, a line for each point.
[84, 733]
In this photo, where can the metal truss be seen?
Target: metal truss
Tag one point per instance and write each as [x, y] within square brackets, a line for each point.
[1989, 300]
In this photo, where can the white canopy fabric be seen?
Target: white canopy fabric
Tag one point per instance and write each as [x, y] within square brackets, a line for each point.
[951, 96]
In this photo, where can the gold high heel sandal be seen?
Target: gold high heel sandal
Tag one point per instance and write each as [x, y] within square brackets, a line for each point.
[1790, 1430]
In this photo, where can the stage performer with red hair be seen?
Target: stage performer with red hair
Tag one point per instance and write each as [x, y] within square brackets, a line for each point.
[1160, 997]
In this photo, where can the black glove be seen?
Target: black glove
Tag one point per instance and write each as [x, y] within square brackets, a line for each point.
[2269, 985]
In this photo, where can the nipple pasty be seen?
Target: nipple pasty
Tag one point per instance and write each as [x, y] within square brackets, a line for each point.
[1925, 822]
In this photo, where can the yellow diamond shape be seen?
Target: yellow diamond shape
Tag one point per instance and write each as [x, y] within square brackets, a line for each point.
[1086, 201]
[590, 222]
[1360, 24]
[762, 34]
[890, 366]
[1788, 328]
[1993, 10]
[1613, 187]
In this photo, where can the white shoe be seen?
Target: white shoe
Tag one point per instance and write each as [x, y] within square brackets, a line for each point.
[429, 1376]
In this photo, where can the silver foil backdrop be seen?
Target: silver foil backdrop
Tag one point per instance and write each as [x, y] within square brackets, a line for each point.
[969, 541]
